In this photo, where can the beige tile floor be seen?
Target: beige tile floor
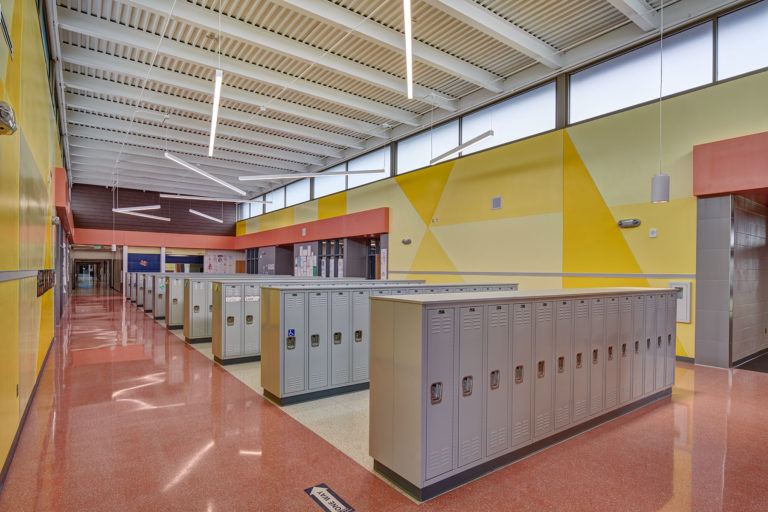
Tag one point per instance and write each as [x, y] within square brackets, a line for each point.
[341, 420]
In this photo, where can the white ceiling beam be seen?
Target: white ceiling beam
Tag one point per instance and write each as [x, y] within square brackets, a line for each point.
[262, 38]
[393, 39]
[102, 61]
[99, 86]
[76, 101]
[480, 18]
[109, 31]
[639, 12]
[268, 156]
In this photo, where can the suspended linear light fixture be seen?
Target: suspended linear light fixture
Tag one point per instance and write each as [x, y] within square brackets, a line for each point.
[214, 199]
[408, 47]
[201, 172]
[136, 208]
[139, 214]
[461, 147]
[660, 181]
[215, 114]
[201, 214]
[306, 175]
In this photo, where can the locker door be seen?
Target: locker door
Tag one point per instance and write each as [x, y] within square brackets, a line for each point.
[543, 382]
[318, 340]
[660, 340]
[650, 344]
[580, 360]
[140, 291]
[197, 316]
[232, 318]
[671, 341]
[208, 301]
[160, 289]
[563, 356]
[597, 356]
[361, 313]
[148, 292]
[497, 406]
[626, 350]
[294, 344]
[638, 345]
[440, 393]
[251, 320]
[522, 323]
[611, 352]
[470, 383]
[340, 344]
[177, 302]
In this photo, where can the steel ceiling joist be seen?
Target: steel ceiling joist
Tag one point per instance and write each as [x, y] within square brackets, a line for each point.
[639, 11]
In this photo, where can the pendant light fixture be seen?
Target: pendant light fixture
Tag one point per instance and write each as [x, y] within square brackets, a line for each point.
[184, 163]
[205, 216]
[660, 181]
[407, 22]
[214, 199]
[216, 91]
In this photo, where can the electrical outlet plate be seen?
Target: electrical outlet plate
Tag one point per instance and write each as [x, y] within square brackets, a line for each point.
[653, 233]
[683, 300]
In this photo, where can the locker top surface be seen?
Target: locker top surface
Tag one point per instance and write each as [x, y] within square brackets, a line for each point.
[517, 296]
[384, 285]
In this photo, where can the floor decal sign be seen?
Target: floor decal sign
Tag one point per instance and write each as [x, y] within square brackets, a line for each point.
[327, 499]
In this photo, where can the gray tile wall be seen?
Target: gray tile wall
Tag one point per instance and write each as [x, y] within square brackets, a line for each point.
[750, 278]
[713, 288]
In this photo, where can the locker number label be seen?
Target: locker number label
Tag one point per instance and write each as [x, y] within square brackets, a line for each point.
[326, 499]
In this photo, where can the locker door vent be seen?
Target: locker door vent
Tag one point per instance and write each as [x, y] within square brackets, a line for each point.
[520, 431]
[497, 439]
[439, 462]
[544, 313]
[498, 318]
[470, 449]
[598, 308]
[579, 408]
[564, 311]
[613, 306]
[542, 422]
[562, 415]
[582, 309]
[522, 315]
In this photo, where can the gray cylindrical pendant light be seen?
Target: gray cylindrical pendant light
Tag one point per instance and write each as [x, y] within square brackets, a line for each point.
[660, 188]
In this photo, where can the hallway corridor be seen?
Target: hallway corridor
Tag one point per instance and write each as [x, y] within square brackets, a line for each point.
[129, 417]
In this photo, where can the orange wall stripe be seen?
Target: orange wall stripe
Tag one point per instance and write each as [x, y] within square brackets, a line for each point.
[62, 200]
[731, 165]
[151, 239]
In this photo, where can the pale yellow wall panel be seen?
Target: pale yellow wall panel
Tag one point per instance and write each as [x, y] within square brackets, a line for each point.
[240, 228]
[143, 250]
[251, 225]
[28, 338]
[278, 219]
[673, 251]
[184, 252]
[527, 174]
[34, 203]
[621, 151]
[9, 201]
[517, 244]
[9, 364]
[305, 212]
[13, 74]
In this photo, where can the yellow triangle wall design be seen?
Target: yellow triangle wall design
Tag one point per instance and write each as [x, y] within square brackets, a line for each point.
[424, 188]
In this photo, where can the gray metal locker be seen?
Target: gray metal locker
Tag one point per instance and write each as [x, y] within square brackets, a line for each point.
[207, 299]
[543, 381]
[233, 327]
[140, 291]
[198, 311]
[626, 349]
[660, 340]
[251, 320]
[522, 323]
[175, 305]
[340, 345]
[497, 364]
[294, 343]
[638, 345]
[611, 355]
[671, 341]
[580, 360]
[361, 314]
[439, 393]
[148, 292]
[158, 306]
[597, 356]
[563, 356]
[470, 383]
[650, 344]
[318, 339]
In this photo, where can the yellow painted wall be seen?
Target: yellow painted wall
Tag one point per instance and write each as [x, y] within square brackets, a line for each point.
[563, 193]
[27, 159]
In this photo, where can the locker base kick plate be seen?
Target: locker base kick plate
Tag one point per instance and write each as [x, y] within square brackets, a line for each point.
[314, 395]
[147, 310]
[174, 326]
[236, 360]
[198, 340]
[160, 317]
[459, 479]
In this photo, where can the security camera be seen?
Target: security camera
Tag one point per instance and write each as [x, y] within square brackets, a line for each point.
[55, 221]
[7, 119]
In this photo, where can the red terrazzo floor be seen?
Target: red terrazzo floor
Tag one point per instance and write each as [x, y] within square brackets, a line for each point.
[128, 417]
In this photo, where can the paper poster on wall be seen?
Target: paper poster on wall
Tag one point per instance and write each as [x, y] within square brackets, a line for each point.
[383, 264]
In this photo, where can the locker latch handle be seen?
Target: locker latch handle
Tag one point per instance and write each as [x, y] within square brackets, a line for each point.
[594, 356]
[610, 352]
[658, 342]
[159, 295]
[314, 340]
[358, 336]
[495, 379]
[648, 343]
[175, 301]
[669, 339]
[578, 360]
[210, 307]
[561, 364]
[466, 386]
[541, 369]
[197, 309]
[290, 342]
[249, 319]
[623, 350]
[337, 338]
[436, 393]
[637, 347]
[230, 321]
[519, 374]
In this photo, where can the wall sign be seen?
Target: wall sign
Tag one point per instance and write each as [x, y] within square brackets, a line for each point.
[45, 281]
